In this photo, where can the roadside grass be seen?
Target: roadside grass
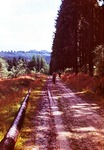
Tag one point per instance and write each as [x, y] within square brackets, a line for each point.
[91, 88]
[12, 93]
[27, 134]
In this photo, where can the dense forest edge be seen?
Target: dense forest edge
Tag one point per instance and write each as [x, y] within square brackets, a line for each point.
[17, 66]
[78, 43]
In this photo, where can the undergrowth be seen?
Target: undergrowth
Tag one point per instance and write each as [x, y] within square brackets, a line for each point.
[83, 84]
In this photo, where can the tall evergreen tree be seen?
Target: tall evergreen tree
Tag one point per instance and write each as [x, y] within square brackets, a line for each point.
[78, 30]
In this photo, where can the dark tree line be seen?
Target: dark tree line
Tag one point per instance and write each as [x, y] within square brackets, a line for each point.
[79, 32]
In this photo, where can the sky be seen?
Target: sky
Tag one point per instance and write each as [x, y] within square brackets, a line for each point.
[27, 24]
[100, 2]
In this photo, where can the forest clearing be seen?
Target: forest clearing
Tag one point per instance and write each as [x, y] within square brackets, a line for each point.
[56, 117]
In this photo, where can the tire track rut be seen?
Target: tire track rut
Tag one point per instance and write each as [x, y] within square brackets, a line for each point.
[66, 122]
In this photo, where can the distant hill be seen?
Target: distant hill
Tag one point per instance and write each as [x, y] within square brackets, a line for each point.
[26, 55]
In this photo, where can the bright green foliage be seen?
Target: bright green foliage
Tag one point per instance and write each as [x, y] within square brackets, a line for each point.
[38, 64]
[18, 69]
[19, 66]
[3, 68]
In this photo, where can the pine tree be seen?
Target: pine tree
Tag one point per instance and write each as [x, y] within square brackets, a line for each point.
[78, 32]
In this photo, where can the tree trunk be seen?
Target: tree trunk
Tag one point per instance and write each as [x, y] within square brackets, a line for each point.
[91, 40]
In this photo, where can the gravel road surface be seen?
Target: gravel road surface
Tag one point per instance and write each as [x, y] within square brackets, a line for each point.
[64, 121]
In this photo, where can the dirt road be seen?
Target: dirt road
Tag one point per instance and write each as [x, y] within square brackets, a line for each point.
[66, 122]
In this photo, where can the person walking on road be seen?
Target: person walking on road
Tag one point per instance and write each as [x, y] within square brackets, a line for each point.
[54, 77]
[59, 74]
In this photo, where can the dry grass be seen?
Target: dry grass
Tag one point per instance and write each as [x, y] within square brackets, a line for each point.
[88, 87]
[12, 93]
[80, 81]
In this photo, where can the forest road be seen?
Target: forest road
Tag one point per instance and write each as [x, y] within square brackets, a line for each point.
[64, 121]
